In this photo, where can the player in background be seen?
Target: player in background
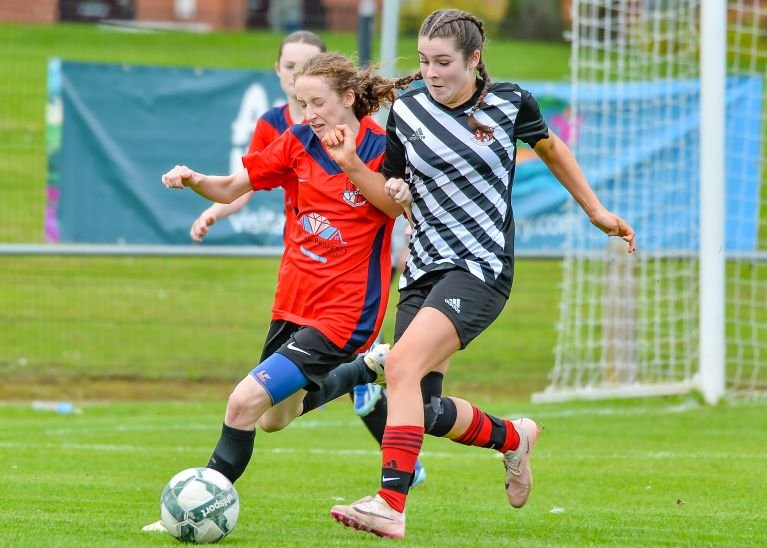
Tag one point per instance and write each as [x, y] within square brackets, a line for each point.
[333, 282]
[369, 399]
[453, 141]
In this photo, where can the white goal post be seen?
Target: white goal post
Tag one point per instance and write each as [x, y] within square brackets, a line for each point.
[669, 103]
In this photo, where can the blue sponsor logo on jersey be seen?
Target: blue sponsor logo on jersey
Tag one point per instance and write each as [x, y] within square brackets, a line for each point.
[320, 226]
[313, 256]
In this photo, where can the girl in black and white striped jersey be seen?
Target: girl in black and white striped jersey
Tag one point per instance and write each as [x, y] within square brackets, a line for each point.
[450, 157]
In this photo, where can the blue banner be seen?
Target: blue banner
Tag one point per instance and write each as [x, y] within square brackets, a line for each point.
[114, 129]
[622, 129]
[123, 126]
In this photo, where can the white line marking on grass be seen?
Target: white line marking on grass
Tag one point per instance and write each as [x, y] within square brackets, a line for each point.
[603, 410]
[128, 448]
[615, 411]
[458, 454]
[138, 427]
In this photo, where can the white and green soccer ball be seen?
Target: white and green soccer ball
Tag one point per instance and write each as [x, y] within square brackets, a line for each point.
[199, 505]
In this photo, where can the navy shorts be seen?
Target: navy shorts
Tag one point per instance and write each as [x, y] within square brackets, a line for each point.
[314, 354]
[471, 304]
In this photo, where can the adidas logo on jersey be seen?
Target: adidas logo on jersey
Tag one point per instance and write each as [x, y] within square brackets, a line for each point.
[418, 135]
[455, 304]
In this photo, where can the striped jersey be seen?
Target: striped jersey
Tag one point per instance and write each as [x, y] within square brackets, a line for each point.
[461, 179]
[334, 274]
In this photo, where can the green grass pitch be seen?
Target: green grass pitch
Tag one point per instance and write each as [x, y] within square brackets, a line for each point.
[659, 472]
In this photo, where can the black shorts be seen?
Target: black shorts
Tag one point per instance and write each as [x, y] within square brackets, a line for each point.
[313, 353]
[470, 303]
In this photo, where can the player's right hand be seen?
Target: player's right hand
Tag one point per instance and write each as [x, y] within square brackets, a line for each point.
[200, 226]
[180, 176]
[399, 191]
[340, 142]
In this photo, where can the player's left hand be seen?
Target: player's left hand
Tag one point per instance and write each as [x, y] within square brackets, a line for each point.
[612, 225]
[341, 144]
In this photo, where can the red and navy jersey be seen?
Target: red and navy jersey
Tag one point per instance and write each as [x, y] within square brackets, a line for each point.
[335, 270]
[273, 123]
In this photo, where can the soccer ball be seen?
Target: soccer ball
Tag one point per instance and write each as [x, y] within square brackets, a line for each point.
[199, 505]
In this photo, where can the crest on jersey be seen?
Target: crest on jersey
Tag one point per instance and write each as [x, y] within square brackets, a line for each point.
[320, 226]
[482, 138]
[353, 196]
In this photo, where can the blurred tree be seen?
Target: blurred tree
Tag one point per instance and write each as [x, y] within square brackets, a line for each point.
[535, 20]
[413, 12]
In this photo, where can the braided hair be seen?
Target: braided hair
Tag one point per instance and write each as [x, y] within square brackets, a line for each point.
[469, 34]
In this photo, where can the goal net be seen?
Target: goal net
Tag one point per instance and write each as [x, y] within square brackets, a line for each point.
[629, 325]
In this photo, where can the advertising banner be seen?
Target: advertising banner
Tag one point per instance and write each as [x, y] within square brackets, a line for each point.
[114, 129]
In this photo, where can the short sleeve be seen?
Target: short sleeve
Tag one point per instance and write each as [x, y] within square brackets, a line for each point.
[530, 126]
[263, 136]
[394, 161]
[268, 169]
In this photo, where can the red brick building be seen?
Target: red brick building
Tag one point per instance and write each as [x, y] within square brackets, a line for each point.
[283, 15]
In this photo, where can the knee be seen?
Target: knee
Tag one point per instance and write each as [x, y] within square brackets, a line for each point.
[397, 372]
[244, 406]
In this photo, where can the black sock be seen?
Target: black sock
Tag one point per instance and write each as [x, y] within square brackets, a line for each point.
[375, 421]
[431, 386]
[439, 413]
[233, 451]
[340, 381]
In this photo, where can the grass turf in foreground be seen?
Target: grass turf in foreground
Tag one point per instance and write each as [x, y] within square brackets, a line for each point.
[649, 472]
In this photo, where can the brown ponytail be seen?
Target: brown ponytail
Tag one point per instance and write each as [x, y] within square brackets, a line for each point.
[371, 91]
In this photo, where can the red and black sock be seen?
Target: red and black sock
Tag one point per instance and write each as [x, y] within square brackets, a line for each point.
[400, 448]
[491, 432]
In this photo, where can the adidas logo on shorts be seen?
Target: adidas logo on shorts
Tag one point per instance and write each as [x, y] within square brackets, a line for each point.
[455, 304]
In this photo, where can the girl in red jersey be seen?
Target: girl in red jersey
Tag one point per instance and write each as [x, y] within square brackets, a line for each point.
[294, 50]
[332, 286]
[454, 142]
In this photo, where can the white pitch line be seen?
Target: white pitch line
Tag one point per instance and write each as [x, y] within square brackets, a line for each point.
[459, 454]
[307, 424]
[183, 427]
[129, 448]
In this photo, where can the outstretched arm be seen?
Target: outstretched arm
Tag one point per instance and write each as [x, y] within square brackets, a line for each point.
[215, 213]
[341, 145]
[217, 188]
[560, 160]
